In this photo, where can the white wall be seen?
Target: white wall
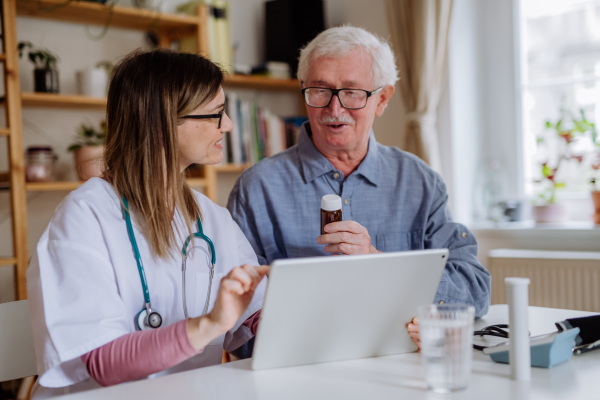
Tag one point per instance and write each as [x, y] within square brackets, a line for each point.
[76, 50]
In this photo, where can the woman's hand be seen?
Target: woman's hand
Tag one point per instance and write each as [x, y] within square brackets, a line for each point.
[413, 331]
[235, 294]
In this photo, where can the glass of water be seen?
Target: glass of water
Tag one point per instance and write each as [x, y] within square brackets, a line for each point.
[447, 345]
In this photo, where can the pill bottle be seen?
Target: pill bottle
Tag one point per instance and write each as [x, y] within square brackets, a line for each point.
[331, 210]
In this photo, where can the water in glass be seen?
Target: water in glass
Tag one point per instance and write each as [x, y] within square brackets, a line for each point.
[446, 341]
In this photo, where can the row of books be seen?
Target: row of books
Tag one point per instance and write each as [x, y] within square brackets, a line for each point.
[216, 34]
[257, 132]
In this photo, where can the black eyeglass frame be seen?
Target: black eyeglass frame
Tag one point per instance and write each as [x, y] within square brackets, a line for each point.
[207, 116]
[335, 92]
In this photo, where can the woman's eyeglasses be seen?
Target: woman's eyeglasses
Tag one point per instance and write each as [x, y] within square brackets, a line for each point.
[207, 116]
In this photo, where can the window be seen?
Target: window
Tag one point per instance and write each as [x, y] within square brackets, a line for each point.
[560, 70]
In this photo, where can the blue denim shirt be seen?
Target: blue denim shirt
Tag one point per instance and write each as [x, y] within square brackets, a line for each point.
[396, 196]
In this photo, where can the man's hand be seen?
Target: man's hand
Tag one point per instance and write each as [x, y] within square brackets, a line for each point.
[346, 237]
[413, 331]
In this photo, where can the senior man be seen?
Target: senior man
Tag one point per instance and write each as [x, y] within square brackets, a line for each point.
[392, 201]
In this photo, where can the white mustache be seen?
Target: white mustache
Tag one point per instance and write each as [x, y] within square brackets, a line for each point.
[341, 119]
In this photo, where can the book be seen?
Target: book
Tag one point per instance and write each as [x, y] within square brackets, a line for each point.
[222, 35]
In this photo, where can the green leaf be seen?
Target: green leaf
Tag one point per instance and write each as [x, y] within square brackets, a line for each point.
[546, 171]
[559, 185]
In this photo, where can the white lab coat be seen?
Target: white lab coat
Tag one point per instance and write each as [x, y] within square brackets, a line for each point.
[84, 286]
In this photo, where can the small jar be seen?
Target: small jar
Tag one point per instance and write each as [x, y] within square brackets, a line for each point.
[331, 210]
[40, 163]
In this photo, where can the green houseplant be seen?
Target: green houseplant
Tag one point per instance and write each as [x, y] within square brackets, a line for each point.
[45, 73]
[87, 150]
[560, 139]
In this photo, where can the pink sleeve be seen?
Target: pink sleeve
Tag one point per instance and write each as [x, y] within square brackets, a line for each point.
[139, 354]
[252, 322]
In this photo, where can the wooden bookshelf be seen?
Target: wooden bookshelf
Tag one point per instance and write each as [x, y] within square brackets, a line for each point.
[62, 100]
[98, 14]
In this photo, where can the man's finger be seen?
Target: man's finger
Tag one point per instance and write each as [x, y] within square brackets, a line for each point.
[344, 248]
[344, 226]
[340, 237]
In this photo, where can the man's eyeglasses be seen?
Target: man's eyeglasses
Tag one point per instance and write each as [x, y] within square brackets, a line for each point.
[207, 116]
[352, 99]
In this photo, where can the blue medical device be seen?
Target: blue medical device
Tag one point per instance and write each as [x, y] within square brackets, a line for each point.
[149, 318]
[546, 350]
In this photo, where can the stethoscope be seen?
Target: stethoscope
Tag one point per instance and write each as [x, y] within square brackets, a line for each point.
[149, 318]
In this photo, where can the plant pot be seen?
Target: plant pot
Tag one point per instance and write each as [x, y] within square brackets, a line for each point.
[596, 200]
[92, 82]
[549, 213]
[88, 162]
[45, 80]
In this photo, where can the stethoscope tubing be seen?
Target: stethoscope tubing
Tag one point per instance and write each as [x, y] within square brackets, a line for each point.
[138, 258]
[136, 252]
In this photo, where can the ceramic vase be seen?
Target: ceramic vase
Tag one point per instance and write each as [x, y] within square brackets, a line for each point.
[88, 162]
[92, 82]
[549, 213]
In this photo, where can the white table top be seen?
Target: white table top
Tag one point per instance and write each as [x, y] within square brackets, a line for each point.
[392, 377]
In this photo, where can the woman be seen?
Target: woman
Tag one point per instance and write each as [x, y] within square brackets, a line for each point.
[109, 302]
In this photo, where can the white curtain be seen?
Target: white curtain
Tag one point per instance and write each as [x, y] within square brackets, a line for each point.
[419, 36]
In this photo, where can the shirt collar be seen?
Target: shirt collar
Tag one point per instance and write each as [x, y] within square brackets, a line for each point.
[314, 164]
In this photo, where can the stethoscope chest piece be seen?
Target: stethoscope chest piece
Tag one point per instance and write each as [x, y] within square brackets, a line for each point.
[146, 321]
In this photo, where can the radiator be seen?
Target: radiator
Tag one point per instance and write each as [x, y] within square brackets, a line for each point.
[559, 279]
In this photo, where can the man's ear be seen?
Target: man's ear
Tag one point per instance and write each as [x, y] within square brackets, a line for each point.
[383, 97]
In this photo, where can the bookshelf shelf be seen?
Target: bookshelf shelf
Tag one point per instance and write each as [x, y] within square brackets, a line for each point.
[98, 14]
[262, 82]
[8, 261]
[232, 167]
[62, 100]
[51, 186]
[32, 99]
[67, 186]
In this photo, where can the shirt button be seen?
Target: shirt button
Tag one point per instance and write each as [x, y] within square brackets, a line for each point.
[441, 302]
[464, 235]
[336, 175]
[346, 201]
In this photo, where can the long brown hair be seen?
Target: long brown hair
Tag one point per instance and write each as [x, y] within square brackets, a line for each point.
[148, 93]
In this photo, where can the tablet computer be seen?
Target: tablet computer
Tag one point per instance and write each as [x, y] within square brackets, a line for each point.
[335, 308]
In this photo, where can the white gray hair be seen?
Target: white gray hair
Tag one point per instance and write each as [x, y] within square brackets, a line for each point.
[340, 41]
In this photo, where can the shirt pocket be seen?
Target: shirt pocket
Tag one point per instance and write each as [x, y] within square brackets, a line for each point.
[399, 241]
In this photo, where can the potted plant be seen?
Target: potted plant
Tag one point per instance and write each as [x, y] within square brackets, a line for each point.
[87, 150]
[45, 74]
[560, 140]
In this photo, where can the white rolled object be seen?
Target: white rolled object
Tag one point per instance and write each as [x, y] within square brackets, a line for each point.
[92, 82]
[519, 354]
